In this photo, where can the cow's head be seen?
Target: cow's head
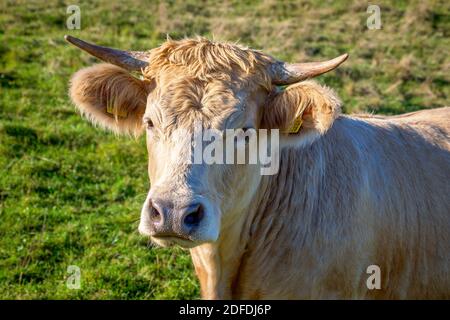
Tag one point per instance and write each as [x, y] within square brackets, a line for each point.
[220, 85]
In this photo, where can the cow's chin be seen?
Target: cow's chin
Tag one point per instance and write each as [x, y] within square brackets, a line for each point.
[176, 241]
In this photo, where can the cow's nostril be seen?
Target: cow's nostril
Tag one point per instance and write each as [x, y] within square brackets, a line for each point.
[194, 217]
[155, 215]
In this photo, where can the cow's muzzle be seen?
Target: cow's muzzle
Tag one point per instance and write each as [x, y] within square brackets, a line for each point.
[168, 223]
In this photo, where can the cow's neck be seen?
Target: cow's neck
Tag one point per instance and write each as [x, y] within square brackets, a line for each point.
[218, 265]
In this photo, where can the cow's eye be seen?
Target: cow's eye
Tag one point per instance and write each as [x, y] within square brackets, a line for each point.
[148, 123]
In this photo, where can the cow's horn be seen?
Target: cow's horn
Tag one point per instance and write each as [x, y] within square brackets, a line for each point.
[287, 73]
[129, 60]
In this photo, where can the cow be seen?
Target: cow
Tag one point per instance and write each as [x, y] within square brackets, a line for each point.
[355, 198]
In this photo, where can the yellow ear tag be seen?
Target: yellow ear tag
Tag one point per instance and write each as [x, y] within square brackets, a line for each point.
[120, 113]
[296, 125]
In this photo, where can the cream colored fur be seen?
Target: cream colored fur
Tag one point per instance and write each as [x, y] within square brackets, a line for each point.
[352, 191]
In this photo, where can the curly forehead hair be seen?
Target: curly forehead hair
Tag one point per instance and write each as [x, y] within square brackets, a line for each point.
[205, 60]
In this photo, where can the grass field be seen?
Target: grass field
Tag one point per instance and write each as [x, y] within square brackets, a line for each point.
[70, 194]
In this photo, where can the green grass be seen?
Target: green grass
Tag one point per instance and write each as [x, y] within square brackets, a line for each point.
[70, 194]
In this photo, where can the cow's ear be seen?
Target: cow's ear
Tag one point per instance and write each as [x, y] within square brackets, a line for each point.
[305, 107]
[110, 97]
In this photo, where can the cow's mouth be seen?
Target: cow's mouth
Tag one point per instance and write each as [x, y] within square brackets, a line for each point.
[171, 240]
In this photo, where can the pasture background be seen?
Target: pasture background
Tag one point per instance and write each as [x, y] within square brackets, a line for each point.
[71, 194]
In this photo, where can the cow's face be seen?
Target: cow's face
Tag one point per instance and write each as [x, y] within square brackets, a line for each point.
[189, 200]
[188, 87]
